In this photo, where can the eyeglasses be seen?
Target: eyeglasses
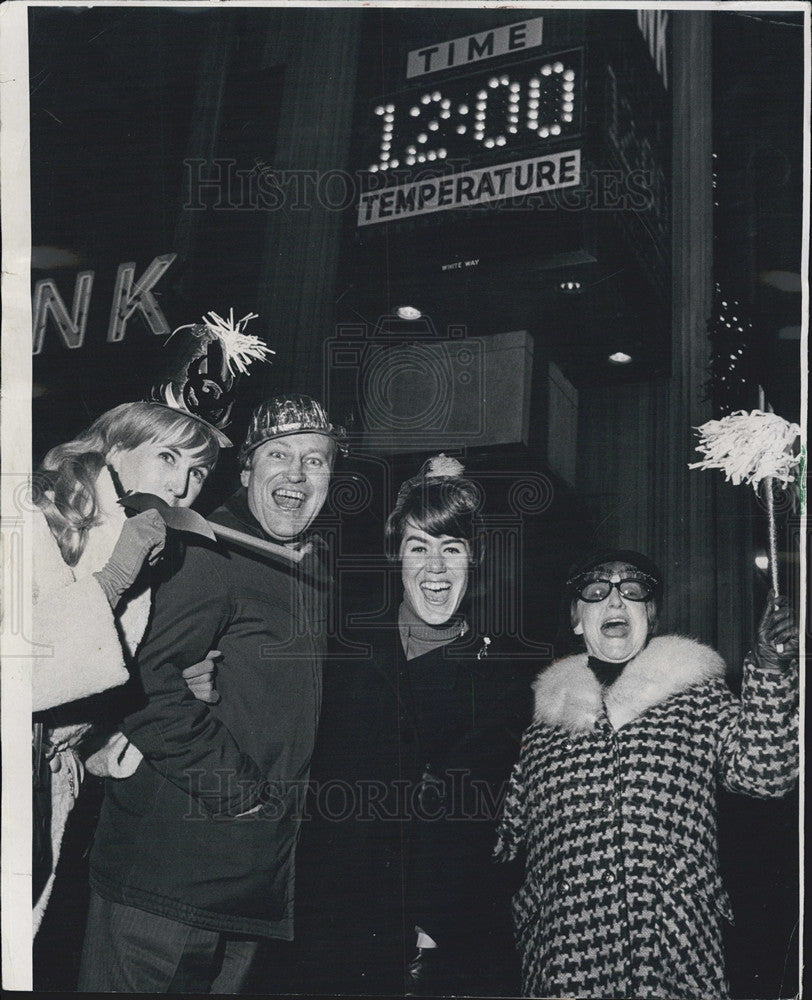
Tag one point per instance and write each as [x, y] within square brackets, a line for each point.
[631, 588]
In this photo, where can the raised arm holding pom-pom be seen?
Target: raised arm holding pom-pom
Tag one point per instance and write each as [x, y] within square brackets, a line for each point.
[614, 797]
[776, 643]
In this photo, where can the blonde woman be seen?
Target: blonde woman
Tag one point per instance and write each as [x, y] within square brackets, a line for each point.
[91, 587]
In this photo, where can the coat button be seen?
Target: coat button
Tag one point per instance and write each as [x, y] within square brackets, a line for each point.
[565, 886]
[568, 744]
[609, 878]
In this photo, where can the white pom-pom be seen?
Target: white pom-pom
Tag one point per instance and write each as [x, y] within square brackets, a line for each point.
[239, 348]
[749, 447]
[443, 465]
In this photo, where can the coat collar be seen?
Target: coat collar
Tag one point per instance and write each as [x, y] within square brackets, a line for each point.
[101, 539]
[235, 513]
[568, 695]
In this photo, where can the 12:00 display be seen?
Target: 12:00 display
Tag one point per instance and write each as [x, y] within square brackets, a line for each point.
[538, 101]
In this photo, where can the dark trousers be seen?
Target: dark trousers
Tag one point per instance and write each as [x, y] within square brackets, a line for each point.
[133, 951]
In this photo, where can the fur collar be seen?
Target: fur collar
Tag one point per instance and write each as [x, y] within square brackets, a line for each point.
[568, 695]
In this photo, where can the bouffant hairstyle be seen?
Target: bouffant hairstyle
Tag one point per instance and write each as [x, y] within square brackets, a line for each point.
[439, 505]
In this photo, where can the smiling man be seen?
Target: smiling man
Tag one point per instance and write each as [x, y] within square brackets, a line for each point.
[193, 862]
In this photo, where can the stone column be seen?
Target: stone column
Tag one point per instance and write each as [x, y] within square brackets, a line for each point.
[689, 541]
[319, 49]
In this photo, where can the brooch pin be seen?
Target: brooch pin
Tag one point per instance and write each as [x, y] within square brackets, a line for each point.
[484, 651]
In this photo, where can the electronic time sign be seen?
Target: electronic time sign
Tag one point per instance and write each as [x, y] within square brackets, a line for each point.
[519, 177]
[496, 131]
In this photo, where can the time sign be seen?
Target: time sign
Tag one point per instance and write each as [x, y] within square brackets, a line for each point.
[491, 114]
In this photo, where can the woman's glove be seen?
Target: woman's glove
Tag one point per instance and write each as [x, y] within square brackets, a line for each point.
[142, 539]
[200, 678]
[776, 644]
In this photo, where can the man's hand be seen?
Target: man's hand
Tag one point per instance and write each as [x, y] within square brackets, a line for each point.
[776, 644]
[199, 678]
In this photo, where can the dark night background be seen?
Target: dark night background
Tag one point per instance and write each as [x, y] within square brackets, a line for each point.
[120, 96]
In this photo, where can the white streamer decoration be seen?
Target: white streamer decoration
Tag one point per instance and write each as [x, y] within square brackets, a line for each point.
[752, 448]
[443, 465]
[749, 447]
[239, 348]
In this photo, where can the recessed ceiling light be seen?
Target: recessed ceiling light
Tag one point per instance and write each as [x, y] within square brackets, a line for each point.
[408, 312]
[620, 358]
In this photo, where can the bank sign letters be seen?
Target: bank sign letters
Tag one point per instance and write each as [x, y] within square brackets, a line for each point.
[131, 295]
[429, 138]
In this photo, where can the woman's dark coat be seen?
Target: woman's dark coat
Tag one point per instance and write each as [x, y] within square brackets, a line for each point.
[614, 801]
[410, 770]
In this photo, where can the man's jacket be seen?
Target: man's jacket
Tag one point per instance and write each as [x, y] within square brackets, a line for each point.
[173, 838]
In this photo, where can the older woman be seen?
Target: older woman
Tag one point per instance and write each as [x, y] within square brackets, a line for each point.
[416, 744]
[614, 795]
[91, 598]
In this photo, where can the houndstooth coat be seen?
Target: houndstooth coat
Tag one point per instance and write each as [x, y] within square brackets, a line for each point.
[614, 800]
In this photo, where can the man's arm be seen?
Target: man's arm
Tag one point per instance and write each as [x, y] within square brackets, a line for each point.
[179, 735]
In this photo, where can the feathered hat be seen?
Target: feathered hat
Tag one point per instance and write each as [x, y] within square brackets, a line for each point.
[210, 358]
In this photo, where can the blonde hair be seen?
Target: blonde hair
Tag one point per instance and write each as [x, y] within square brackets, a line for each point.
[65, 483]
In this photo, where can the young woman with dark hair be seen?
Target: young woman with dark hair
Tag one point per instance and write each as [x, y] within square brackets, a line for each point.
[415, 747]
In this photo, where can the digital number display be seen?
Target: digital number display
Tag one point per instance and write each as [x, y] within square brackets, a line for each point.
[521, 109]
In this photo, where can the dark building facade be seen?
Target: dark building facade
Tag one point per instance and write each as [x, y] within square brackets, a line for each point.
[554, 194]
